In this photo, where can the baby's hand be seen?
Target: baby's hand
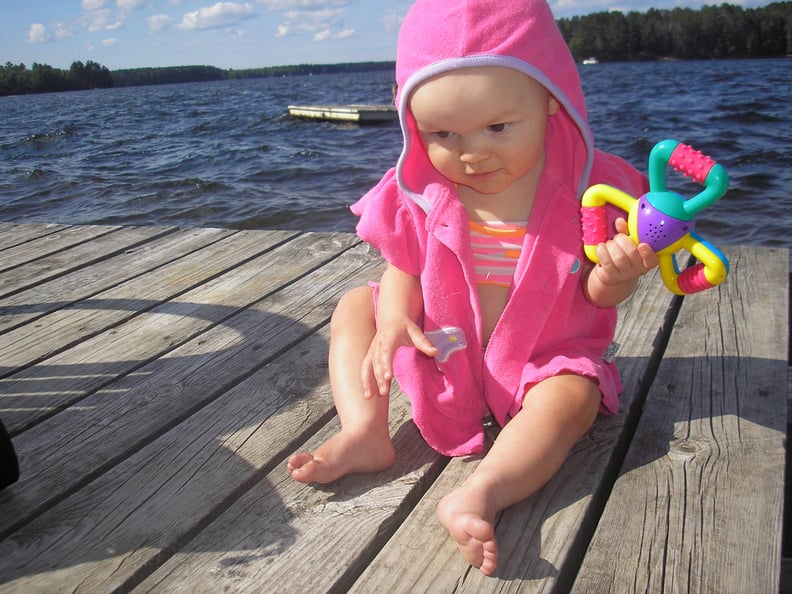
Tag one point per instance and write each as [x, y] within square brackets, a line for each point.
[621, 260]
[377, 372]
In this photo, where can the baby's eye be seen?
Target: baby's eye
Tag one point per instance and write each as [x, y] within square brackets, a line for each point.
[498, 127]
[442, 134]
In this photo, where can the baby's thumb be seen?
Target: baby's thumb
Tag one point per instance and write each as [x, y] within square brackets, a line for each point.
[421, 341]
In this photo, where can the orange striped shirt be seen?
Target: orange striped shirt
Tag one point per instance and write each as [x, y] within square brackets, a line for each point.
[496, 249]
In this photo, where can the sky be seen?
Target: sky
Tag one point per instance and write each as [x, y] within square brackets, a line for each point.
[227, 34]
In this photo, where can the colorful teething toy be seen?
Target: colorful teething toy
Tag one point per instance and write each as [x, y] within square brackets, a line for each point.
[664, 219]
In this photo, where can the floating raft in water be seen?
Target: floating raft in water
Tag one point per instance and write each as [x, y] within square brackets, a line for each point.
[346, 113]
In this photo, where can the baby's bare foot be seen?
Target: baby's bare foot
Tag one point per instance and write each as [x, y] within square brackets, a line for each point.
[342, 454]
[465, 514]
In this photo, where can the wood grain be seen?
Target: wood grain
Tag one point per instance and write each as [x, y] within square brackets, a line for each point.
[155, 380]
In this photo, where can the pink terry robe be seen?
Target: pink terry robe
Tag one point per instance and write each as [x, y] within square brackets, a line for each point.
[414, 217]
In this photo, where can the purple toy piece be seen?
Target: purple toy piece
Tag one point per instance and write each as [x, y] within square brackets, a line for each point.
[657, 228]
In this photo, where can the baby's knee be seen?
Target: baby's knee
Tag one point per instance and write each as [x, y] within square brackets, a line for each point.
[575, 398]
[355, 300]
[354, 304]
[583, 396]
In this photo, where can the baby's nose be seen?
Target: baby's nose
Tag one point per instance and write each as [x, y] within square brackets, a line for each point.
[474, 151]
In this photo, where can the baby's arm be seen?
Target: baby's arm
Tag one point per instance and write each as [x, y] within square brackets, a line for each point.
[399, 307]
[621, 263]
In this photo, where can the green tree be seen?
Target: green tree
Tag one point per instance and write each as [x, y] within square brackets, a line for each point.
[98, 76]
[44, 78]
[13, 80]
[725, 31]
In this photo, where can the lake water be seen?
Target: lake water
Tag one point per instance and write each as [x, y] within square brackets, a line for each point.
[226, 154]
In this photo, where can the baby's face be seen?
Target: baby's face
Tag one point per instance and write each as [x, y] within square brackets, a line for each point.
[483, 128]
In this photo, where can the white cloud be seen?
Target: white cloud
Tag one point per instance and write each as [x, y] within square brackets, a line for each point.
[300, 4]
[102, 20]
[93, 4]
[37, 33]
[322, 19]
[131, 4]
[392, 20]
[158, 22]
[110, 42]
[63, 31]
[322, 35]
[329, 34]
[344, 34]
[221, 14]
[323, 24]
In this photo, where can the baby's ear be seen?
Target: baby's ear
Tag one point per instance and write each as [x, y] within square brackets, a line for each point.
[552, 105]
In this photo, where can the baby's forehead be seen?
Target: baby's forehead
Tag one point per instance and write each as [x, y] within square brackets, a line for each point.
[471, 74]
[476, 88]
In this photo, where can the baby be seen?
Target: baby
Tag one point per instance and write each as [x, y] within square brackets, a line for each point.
[487, 306]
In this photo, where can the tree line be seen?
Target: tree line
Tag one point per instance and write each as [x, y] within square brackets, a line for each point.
[712, 32]
[133, 77]
[18, 80]
[41, 78]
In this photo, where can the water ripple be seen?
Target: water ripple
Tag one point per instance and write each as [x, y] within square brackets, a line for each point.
[227, 154]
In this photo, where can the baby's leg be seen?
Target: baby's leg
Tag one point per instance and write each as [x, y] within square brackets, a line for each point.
[363, 444]
[530, 449]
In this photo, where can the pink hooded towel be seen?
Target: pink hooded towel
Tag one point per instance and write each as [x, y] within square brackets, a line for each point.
[413, 216]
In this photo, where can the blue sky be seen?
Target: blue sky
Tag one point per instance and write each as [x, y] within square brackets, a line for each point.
[226, 34]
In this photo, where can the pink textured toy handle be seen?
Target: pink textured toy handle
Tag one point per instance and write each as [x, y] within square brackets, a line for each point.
[692, 163]
[594, 221]
[693, 280]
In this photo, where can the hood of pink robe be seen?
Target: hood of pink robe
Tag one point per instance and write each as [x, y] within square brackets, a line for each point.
[439, 36]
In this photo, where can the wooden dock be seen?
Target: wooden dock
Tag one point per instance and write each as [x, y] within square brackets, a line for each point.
[356, 113]
[154, 381]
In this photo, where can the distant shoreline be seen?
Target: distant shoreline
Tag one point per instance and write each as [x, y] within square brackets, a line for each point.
[19, 80]
[710, 33]
[131, 77]
[138, 77]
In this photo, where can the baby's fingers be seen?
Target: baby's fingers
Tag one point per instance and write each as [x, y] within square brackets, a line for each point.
[377, 371]
[421, 342]
[368, 380]
[648, 256]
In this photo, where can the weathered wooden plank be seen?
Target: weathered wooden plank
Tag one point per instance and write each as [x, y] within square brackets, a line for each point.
[13, 234]
[283, 536]
[421, 557]
[54, 294]
[64, 452]
[161, 494]
[698, 504]
[58, 330]
[539, 537]
[138, 330]
[74, 257]
[51, 243]
[117, 529]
